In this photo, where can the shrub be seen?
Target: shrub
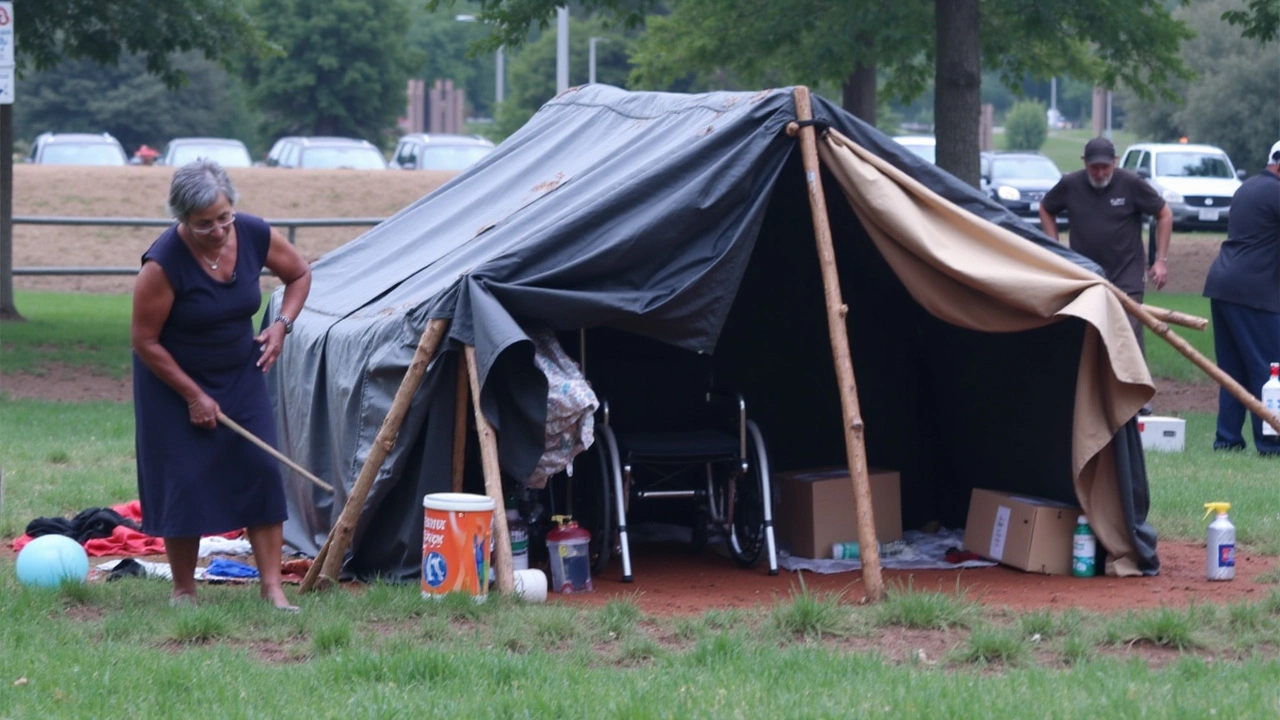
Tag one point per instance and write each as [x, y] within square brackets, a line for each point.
[1026, 126]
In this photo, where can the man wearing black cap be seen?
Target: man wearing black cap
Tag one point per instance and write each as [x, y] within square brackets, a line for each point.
[1243, 287]
[1105, 206]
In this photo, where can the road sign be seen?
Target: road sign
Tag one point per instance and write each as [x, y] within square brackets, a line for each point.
[6, 34]
[6, 85]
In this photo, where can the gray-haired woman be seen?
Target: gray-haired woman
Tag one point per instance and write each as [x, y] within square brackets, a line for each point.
[196, 354]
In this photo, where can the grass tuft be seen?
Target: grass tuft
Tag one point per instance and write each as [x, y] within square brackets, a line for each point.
[988, 645]
[906, 607]
[811, 616]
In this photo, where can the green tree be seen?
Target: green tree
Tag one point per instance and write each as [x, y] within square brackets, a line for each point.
[1099, 41]
[441, 48]
[1231, 100]
[1026, 126]
[343, 70]
[49, 32]
[137, 108]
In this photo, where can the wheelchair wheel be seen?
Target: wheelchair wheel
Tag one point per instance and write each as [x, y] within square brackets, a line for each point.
[746, 529]
[591, 495]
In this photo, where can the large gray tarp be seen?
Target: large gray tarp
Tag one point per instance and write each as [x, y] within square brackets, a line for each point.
[672, 221]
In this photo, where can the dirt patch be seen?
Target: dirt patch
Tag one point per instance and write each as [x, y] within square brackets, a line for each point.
[670, 580]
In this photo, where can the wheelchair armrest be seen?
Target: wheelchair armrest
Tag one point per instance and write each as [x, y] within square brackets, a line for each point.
[736, 398]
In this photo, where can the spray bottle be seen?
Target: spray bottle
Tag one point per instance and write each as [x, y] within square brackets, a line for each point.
[1271, 398]
[1220, 555]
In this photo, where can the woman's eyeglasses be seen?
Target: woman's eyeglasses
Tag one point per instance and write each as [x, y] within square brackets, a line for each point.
[221, 223]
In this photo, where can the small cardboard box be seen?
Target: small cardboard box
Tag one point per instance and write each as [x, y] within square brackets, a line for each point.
[1028, 533]
[816, 509]
[1168, 434]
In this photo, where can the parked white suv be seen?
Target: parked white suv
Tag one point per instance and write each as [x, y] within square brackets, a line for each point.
[1197, 181]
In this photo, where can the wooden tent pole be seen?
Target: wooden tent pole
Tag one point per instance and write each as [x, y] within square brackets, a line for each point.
[1177, 318]
[502, 568]
[1236, 389]
[460, 425]
[328, 564]
[854, 439]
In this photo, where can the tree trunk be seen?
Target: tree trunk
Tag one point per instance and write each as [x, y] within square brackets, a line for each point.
[860, 93]
[8, 310]
[958, 100]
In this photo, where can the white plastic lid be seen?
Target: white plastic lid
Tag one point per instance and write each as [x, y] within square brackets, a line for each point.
[1082, 520]
[458, 502]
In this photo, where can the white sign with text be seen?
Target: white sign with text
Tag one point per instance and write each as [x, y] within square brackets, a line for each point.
[6, 34]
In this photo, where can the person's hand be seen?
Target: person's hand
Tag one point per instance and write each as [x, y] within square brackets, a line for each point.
[204, 412]
[1159, 274]
[271, 342]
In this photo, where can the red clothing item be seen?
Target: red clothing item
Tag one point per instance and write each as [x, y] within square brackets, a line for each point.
[124, 541]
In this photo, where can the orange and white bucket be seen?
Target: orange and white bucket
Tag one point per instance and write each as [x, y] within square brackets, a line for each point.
[456, 532]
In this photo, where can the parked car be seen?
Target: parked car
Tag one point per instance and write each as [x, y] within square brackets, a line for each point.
[439, 151]
[327, 153]
[1018, 180]
[225, 151]
[926, 146]
[77, 149]
[1197, 181]
[278, 149]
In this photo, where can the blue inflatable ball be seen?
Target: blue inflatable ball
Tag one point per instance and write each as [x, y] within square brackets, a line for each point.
[49, 560]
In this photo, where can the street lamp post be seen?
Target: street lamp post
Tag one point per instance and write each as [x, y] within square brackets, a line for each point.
[499, 62]
[562, 49]
[591, 58]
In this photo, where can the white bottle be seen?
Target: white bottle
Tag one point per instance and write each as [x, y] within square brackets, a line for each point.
[1220, 547]
[1271, 398]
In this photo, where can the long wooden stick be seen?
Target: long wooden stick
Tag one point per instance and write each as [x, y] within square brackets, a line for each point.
[502, 567]
[1236, 389]
[340, 536]
[1178, 318]
[854, 440]
[242, 432]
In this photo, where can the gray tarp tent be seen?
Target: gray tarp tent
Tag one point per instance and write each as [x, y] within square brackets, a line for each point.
[986, 354]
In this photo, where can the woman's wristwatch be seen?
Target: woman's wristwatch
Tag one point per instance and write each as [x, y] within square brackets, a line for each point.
[288, 324]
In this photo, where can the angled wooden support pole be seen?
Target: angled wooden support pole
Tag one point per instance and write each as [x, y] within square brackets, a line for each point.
[503, 570]
[854, 435]
[1139, 311]
[1177, 318]
[328, 563]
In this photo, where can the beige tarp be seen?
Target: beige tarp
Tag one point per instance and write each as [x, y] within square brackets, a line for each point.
[975, 275]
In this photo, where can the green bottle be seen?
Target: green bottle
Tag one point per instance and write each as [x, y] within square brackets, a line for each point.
[1084, 549]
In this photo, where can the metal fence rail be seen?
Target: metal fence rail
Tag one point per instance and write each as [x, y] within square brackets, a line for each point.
[291, 223]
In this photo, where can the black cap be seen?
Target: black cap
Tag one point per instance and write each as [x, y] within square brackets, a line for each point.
[1099, 150]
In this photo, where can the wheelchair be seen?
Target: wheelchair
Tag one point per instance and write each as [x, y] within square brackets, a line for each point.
[700, 447]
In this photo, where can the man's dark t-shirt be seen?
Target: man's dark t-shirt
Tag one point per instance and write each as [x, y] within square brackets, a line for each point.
[1247, 269]
[1106, 224]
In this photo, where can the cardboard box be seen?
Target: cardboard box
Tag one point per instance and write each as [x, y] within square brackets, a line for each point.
[1167, 434]
[1028, 533]
[816, 509]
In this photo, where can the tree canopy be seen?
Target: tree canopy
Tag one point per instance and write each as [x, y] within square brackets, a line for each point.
[342, 72]
[48, 32]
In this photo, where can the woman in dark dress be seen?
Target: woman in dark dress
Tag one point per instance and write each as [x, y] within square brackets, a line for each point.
[195, 355]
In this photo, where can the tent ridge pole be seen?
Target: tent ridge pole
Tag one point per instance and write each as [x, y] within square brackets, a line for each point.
[328, 562]
[837, 311]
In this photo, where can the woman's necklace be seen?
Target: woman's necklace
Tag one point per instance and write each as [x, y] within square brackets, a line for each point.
[213, 265]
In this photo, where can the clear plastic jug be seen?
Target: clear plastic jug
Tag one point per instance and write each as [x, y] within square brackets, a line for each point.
[569, 548]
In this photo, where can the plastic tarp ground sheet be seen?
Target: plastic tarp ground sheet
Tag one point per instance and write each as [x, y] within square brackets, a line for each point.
[672, 234]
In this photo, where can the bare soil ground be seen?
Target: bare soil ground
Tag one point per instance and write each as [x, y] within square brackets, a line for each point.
[668, 580]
